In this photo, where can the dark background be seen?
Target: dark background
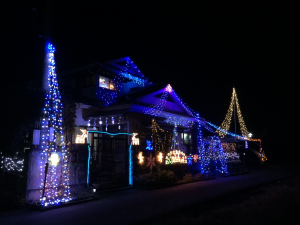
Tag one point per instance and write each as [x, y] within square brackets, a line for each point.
[202, 50]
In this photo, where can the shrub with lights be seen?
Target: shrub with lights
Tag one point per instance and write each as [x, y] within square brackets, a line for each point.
[12, 164]
[214, 158]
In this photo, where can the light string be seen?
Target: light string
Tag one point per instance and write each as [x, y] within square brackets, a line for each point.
[178, 119]
[240, 117]
[227, 132]
[130, 152]
[174, 145]
[157, 108]
[55, 182]
[110, 96]
[159, 137]
[94, 128]
[218, 155]
[175, 156]
[189, 160]
[232, 156]
[159, 105]
[183, 104]
[200, 145]
[213, 152]
[130, 165]
[14, 164]
[106, 124]
[227, 121]
[149, 145]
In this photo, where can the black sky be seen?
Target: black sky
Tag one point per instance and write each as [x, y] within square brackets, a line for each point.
[202, 50]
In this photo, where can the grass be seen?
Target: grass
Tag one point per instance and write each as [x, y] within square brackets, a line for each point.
[276, 203]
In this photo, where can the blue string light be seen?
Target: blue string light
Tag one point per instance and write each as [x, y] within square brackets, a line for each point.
[109, 96]
[130, 165]
[104, 132]
[159, 105]
[213, 152]
[227, 132]
[130, 177]
[51, 129]
[149, 147]
[189, 160]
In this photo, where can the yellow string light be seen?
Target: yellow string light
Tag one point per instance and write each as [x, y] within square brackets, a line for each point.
[159, 143]
[240, 117]
[227, 121]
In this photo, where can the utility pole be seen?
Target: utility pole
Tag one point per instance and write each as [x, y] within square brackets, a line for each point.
[47, 35]
[234, 105]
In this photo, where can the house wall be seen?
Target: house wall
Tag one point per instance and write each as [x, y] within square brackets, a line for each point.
[33, 190]
[78, 163]
[82, 110]
[89, 92]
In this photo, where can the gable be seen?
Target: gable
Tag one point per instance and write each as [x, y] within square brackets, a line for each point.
[171, 102]
[126, 64]
[168, 99]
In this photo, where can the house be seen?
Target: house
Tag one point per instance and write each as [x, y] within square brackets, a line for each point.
[125, 125]
[117, 110]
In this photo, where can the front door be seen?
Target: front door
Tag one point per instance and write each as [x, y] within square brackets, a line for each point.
[110, 167]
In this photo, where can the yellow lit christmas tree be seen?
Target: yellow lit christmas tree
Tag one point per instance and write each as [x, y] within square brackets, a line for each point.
[234, 105]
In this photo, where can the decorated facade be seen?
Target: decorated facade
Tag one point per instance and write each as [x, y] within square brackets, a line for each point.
[125, 126]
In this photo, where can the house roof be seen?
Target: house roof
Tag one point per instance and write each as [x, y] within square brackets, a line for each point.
[138, 92]
[139, 98]
[125, 102]
[123, 64]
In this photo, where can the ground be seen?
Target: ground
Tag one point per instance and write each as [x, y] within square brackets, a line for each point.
[273, 203]
[263, 196]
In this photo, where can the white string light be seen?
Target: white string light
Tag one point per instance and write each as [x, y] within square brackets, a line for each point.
[12, 164]
[55, 185]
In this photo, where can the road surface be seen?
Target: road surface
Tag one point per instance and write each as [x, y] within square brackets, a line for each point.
[131, 206]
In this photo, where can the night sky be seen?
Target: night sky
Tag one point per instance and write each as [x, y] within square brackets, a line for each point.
[202, 50]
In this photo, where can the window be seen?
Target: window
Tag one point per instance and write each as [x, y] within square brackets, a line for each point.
[186, 138]
[106, 83]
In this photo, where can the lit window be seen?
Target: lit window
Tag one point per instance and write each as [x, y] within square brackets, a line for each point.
[112, 85]
[104, 82]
